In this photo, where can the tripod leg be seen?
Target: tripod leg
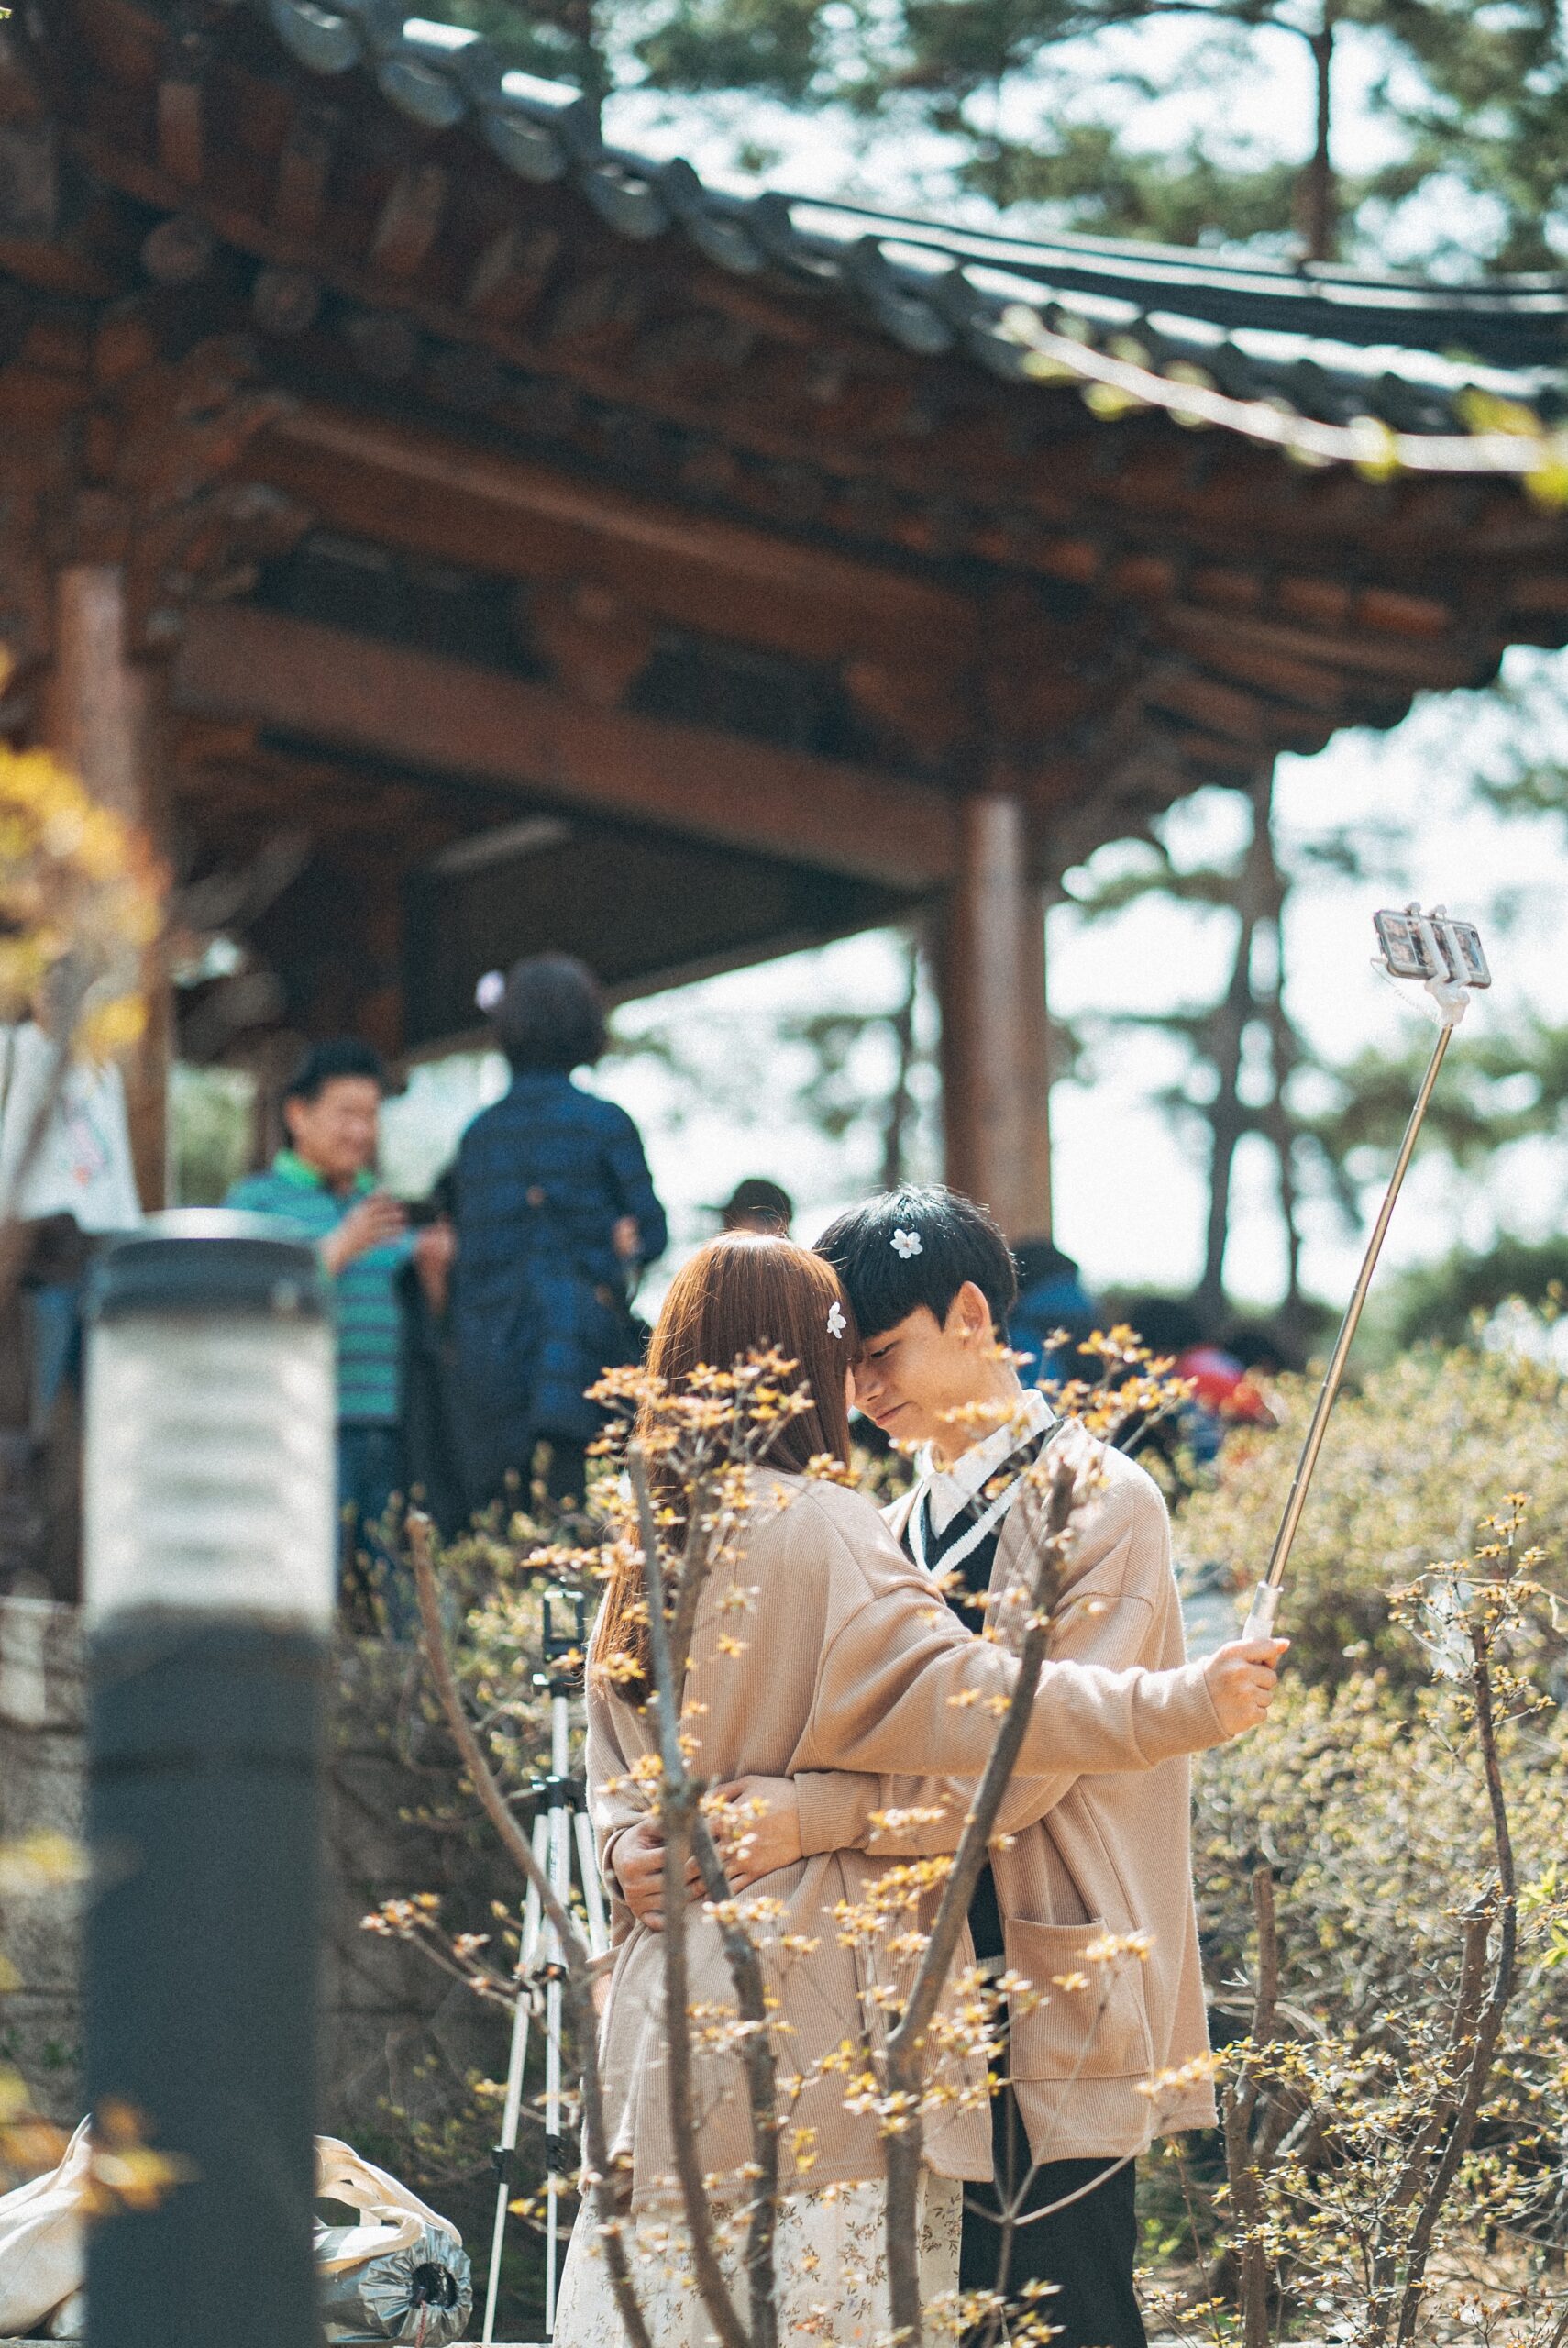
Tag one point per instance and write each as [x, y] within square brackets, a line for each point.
[560, 1884]
[527, 1953]
[592, 1890]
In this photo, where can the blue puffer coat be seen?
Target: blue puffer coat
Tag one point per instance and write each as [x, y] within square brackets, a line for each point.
[543, 1176]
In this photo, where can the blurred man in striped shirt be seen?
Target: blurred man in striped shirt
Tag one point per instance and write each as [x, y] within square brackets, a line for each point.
[324, 1184]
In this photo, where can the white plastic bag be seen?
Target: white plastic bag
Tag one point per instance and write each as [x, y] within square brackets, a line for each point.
[41, 2250]
[402, 2275]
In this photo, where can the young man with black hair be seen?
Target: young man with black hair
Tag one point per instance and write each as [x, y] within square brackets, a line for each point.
[931, 1282]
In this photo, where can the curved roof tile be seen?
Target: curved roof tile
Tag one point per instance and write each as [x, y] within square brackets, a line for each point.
[1334, 342]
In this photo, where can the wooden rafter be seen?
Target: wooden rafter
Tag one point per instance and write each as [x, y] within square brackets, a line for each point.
[321, 684]
[503, 514]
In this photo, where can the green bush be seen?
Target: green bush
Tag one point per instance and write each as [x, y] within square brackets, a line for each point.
[1412, 1463]
[1396, 1850]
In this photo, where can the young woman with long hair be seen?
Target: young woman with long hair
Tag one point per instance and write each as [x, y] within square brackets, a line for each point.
[817, 1646]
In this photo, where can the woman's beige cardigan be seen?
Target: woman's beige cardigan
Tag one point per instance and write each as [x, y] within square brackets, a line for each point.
[846, 1662]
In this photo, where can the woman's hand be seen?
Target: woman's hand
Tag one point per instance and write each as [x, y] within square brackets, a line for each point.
[758, 1830]
[1242, 1678]
[639, 1861]
[755, 1821]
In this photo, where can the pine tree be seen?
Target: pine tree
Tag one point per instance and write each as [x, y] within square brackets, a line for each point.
[1477, 98]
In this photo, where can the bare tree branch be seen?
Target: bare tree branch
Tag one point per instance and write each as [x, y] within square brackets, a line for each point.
[1488, 2028]
[680, 1796]
[1242, 2164]
[906, 2042]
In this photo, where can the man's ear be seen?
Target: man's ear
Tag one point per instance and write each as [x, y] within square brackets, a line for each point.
[969, 1315]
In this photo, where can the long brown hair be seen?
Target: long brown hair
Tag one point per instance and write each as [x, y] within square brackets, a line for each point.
[741, 1295]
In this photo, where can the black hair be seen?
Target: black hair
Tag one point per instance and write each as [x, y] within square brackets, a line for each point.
[1042, 1259]
[1166, 1324]
[551, 1015]
[343, 1055]
[958, 1242]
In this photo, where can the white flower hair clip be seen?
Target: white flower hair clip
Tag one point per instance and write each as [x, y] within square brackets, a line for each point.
[906, 1244]
[837, 1322]
[490, 990]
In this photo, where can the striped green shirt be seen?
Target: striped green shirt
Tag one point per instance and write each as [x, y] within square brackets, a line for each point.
[368, 1321]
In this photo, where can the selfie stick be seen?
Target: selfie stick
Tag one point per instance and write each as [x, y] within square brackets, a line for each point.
[561, 1823]
[1446, 958]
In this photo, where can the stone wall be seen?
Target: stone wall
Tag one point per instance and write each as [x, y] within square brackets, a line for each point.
[399, 2039]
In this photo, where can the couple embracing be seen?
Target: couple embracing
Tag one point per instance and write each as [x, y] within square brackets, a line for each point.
[852, 1730]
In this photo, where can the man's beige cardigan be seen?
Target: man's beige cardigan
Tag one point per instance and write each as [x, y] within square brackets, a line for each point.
[1088, 1853]
[847, 1663]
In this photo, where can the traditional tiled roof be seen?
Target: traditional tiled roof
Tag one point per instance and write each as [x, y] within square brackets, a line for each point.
[1334, 343]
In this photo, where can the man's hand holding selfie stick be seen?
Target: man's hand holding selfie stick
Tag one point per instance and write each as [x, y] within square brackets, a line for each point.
[1446, 958]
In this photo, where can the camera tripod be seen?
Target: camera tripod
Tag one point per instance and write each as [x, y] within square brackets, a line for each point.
[561, 1829]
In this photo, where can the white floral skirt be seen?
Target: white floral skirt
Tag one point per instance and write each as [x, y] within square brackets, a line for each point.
[830, 2262]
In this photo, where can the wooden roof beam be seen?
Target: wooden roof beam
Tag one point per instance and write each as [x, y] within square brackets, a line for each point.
[1343, 697]
[324, 685]
[467, 506]
[1230, 715]
[1385, 665]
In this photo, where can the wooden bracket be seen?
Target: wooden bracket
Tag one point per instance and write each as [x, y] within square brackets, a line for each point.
[410, 221]
[597, 643]
[29, 181]
[921, 709]
[305, 169]
[511, 272]
[181, 140]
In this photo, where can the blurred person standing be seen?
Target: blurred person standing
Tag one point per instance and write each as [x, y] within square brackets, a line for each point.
[324, 1183]
[556, 1215]
[67, 1178]
[757, 1204]
[431, 1405]
[1052, 1299]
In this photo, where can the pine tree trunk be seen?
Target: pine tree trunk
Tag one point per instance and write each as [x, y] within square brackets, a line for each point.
[1229, 1118]
[1319, 205]
[900, 1101]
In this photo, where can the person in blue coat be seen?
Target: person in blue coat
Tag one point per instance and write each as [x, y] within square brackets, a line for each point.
[556, 1215]
[1052, 1303]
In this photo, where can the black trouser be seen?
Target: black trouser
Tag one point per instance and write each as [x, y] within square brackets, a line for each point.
[565, 1472]
[1089, 2249]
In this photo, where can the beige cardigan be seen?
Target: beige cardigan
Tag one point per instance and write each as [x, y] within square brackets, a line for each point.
[847, 1663]
[1089, 1851]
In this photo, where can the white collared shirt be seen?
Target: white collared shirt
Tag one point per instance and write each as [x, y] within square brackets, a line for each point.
[949, 1490]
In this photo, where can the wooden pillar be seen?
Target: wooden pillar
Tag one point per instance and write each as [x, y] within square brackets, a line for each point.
[994, 1054]
[103, 718]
